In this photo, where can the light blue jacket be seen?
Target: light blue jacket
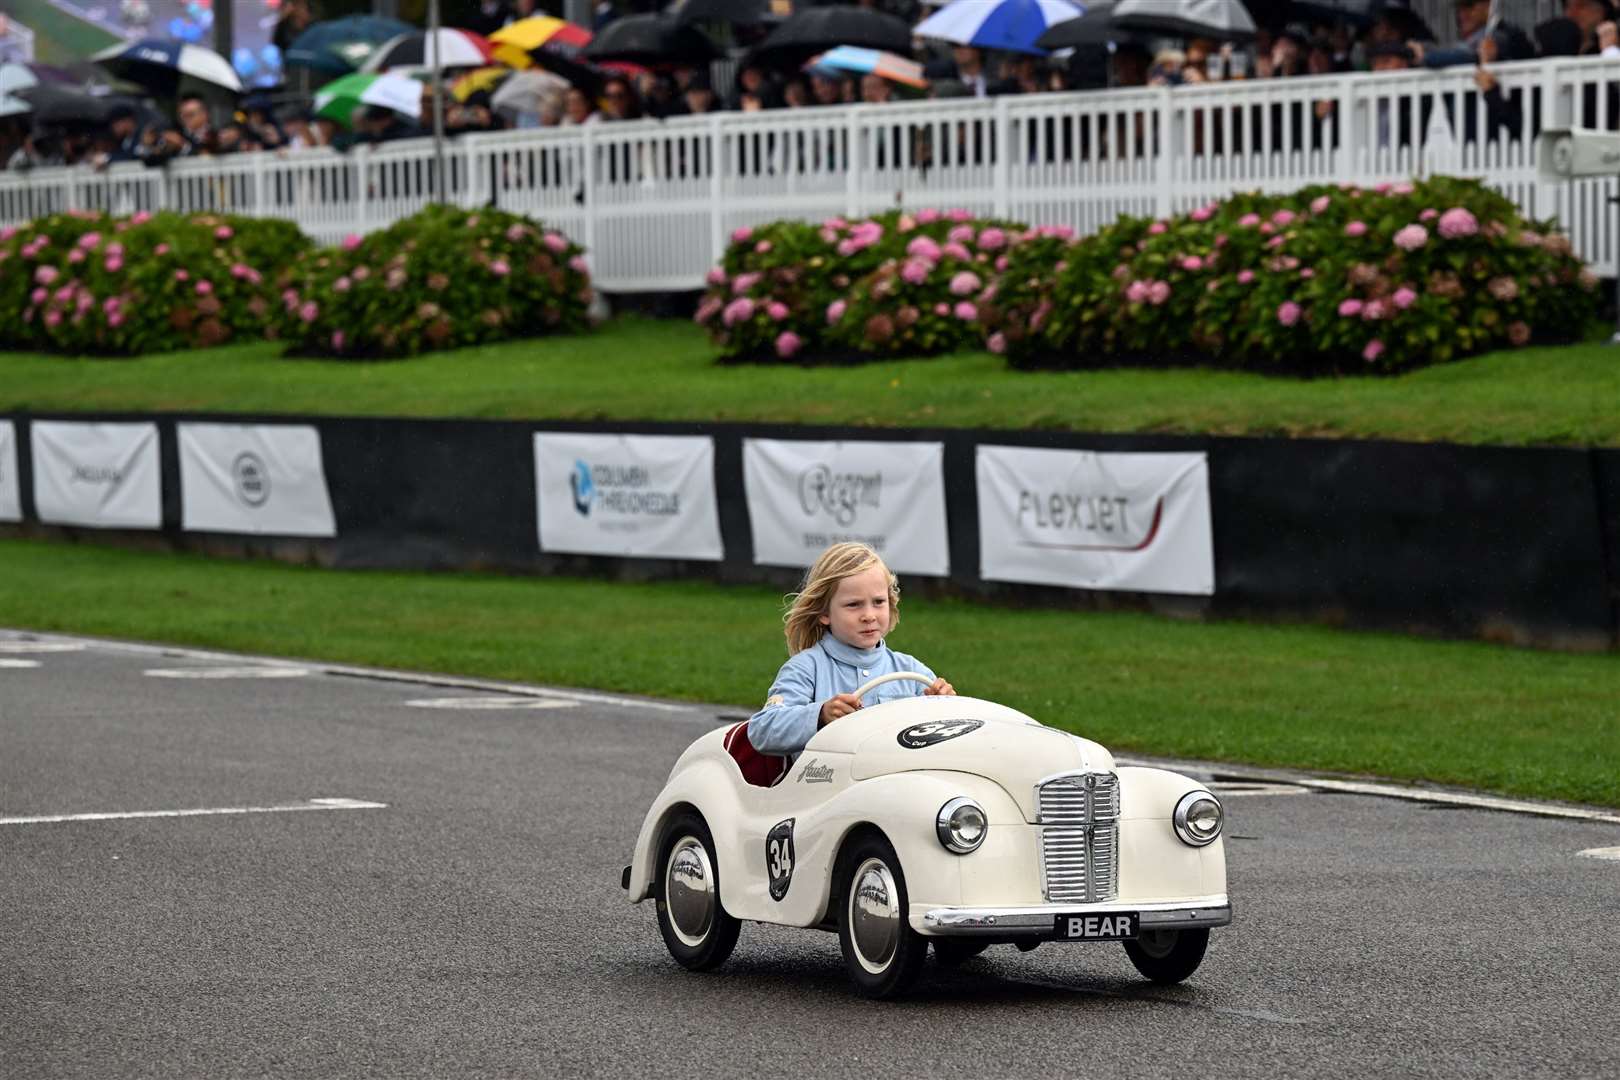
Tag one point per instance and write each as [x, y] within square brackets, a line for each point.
[809, 678]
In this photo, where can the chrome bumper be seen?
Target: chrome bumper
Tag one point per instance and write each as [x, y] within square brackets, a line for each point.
[1041, 921]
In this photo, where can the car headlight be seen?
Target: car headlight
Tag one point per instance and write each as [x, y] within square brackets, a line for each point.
[961, 825]
[1198, 818]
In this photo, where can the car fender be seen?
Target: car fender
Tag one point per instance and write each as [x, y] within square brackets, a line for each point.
[704, 783]
[1153, 861]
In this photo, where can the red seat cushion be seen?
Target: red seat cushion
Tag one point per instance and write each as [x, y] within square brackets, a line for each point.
[760, 770]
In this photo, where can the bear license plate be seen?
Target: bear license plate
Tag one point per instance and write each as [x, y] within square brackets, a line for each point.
[1114, 926]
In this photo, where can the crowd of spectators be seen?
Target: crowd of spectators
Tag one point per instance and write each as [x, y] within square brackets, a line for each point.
[1393, 40]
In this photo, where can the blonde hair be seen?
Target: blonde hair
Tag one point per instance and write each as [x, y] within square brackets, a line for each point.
[802, 623]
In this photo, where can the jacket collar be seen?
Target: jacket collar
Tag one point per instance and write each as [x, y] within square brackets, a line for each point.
[848, 654]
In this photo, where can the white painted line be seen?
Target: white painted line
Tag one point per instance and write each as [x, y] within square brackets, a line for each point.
[283, 808]
[228, 673]
[1244, 788]
[39, 646]
[458, 682]
[7, 662]
[492, 703]
[1610, 853]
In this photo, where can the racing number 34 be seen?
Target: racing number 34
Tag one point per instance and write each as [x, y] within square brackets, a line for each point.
[779, 857]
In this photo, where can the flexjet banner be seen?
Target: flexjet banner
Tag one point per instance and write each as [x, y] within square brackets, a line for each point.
[641, 496]
[10, 497]
[264, 479]
[104, 476]
[803, 496]
[1132, 522]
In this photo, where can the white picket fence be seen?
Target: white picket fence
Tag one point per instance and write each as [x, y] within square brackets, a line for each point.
[654, 202]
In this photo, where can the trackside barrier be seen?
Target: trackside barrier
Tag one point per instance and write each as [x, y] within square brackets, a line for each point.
[1514, 545]
[655, 201]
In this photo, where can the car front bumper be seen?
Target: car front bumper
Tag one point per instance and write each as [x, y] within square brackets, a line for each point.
[1040, 921]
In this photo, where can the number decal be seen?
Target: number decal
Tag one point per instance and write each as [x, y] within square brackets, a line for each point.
[918, 736]
[779, 858]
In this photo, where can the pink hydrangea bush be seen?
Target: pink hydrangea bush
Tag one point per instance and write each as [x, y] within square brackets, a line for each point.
[1328, 279]
[440, 279]
[88, 284]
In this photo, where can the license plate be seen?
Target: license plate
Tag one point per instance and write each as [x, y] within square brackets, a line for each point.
[1115, 926]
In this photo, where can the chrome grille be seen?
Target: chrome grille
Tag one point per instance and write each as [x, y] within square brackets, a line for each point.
[1079, 816]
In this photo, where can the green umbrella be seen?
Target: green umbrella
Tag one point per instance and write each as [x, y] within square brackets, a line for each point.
[338, 99]
[336, 46]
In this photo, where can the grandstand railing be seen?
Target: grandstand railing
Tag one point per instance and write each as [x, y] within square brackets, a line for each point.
[655, 202]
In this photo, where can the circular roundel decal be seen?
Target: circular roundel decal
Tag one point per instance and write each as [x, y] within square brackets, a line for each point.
[918, 736]
[252, 478]
[779, 858]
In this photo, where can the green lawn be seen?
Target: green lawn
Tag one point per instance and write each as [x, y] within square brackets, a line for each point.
[1526, 723]
[643, 369]
[59, 38]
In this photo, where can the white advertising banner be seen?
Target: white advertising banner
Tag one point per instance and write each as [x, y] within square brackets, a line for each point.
[648, 496]
[803, 496]
[10, 498]
[105, 476]
[265, 479]
[1086, 520]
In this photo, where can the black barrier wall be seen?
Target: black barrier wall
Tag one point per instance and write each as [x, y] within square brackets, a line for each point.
[1518, 545]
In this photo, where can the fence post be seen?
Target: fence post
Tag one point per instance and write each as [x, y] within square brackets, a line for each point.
[1163, 170]
[1001, 172]
[852, 162]
[362, 158]
[717, 191]
[588, 189]
[258, 185]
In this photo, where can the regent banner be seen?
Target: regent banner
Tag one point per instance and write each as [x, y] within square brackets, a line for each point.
[803, 496]
[102, 475]
[1086, 520]
[10, 497]
[643, 496]
[265, 479]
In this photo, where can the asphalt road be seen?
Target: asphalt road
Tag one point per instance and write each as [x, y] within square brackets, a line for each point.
[474, 925]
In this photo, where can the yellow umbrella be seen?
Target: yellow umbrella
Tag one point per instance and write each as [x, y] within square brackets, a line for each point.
[515, 42]
[479, 81]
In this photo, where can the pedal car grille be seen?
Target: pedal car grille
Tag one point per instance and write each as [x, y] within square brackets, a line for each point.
[1079, 816]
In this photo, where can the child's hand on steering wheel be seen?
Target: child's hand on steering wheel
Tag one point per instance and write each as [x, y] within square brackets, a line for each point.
[940, 688]
[838, 706]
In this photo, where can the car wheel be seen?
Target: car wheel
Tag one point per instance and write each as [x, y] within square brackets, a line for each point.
[1168, 956]
[697, 930]
[950, 952]
[883, 953]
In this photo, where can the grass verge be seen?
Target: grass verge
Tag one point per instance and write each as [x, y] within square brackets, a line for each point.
[1514, 721]
[645, 369]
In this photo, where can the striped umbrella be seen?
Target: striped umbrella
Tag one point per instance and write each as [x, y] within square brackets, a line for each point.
[849, 58]
[482, 81]
[169, 69]
[338, 99]
[451, 49]
[514, 44]
[1012, 25]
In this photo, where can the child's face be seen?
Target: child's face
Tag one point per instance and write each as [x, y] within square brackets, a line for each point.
[860, 615]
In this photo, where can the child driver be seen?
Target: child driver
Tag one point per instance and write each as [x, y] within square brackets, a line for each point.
[835, 629]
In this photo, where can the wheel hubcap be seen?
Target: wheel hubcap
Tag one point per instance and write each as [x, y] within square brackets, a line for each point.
[689, 892]
[874, 915]
[1158, 943]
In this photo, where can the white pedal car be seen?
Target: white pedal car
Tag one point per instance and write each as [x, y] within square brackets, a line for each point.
[935, 819]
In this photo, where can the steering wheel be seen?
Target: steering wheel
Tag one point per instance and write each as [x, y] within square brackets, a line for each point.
[893, 676]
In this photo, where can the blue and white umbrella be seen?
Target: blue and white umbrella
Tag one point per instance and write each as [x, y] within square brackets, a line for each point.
[1012, 25]
[169, 68]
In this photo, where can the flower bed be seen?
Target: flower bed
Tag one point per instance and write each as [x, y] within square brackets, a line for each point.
[1327, 279]
[88, 283]
[440, 279]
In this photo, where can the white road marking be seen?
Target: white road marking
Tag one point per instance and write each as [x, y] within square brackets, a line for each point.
[491, 702]
[280, 808]
[1236, 789]
[7, 662]
[39, 646]
[228, 673]
[1612, 854]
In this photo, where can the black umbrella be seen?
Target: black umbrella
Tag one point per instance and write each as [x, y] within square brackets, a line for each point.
[1095, 27]
[736, 12]
[63, 106]
[1224, 20]
[815, 30]
[1399, 14]
[652, 41]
